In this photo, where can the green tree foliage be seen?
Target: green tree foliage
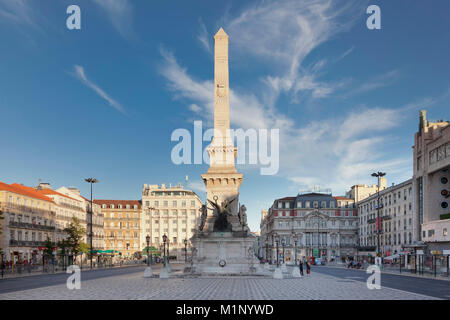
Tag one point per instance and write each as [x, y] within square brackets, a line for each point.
[75, 233]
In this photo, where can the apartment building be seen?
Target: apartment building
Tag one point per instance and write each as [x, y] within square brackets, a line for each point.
[172, 211]
[98, 232]
[122, 225]
[359, 192]
[431, 183]
[311, 224]
[395, 226]
[29, 219]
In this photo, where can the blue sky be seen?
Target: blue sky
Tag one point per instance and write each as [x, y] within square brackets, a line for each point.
[103, 101]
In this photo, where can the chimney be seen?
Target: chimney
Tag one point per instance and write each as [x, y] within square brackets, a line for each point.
[43, 185]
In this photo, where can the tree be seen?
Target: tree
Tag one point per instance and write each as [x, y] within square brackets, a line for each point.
[85, 249]
[75, 234]
[48, 248]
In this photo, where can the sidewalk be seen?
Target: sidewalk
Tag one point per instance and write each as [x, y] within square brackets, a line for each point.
[404, 272]
[8, 275]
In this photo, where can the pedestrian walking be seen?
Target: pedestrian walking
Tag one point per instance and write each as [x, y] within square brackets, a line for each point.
[301, 268]
[308, 268]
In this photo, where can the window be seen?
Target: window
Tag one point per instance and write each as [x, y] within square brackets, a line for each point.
[307, 204]
[156, 203]
[299, 204]
[280, 205]
[174, 204]
[444, 232]
[192, 203]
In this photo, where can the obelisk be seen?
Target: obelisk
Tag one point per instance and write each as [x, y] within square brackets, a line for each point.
[222, 180]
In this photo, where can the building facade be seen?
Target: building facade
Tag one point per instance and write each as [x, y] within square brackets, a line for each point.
[122, 225]
[98, 232]
[359, 192]
[65, 208]
[29, 219]
[171, 211]
[309, 225]
[431, 182]
[395, 228]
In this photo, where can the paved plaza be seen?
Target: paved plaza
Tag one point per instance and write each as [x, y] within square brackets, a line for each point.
[131, 284]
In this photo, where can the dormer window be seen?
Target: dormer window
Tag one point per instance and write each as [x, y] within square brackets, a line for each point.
[280, 205]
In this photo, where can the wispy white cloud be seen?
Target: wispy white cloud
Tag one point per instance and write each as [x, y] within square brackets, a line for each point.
[198, 186]
[204, 37]
[378, 81]
[120, 13]
[80, 74]
[21, 14]
[286, 33]
[335, 151]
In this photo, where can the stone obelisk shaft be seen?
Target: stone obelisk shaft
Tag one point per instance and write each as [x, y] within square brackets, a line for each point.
[221, 88]
[222, 179]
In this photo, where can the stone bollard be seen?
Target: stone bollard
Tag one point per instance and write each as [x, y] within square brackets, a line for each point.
[148, 273]
[278, 274]
[296, 273]
[164, 273]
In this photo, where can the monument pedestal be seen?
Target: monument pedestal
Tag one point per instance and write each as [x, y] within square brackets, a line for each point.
[224, 253]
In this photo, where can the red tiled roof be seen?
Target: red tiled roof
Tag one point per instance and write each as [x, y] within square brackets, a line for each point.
[343, 198]
[24, 190]
[117, 202]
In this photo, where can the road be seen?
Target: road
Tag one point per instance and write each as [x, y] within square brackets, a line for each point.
[46, 280]
[430, 287]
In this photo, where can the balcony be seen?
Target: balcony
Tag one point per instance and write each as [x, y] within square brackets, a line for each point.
[24, 243]
[18, 209]
[24, 225]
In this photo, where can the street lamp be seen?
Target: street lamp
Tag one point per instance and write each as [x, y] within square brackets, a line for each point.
[276, 241]
[91, 181]
[148, 249]
[185, 250]
[294, 237]
[378, 222]
[283, 242]
[164, 241]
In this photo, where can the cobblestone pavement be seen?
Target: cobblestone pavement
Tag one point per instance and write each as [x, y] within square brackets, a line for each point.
[134, 286]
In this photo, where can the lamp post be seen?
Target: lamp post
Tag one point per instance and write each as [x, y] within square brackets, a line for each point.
[267, 250]
[148, 249]
[185, 250]
[148, 271]
[276, 241]
[91, 181]
[164, 243]
[283, 242]
[378, 222]
[294, 237]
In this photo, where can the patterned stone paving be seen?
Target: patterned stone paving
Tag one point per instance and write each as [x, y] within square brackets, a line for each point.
[135, 286]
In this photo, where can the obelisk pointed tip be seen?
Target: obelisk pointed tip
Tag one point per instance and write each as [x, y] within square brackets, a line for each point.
[221, 33]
